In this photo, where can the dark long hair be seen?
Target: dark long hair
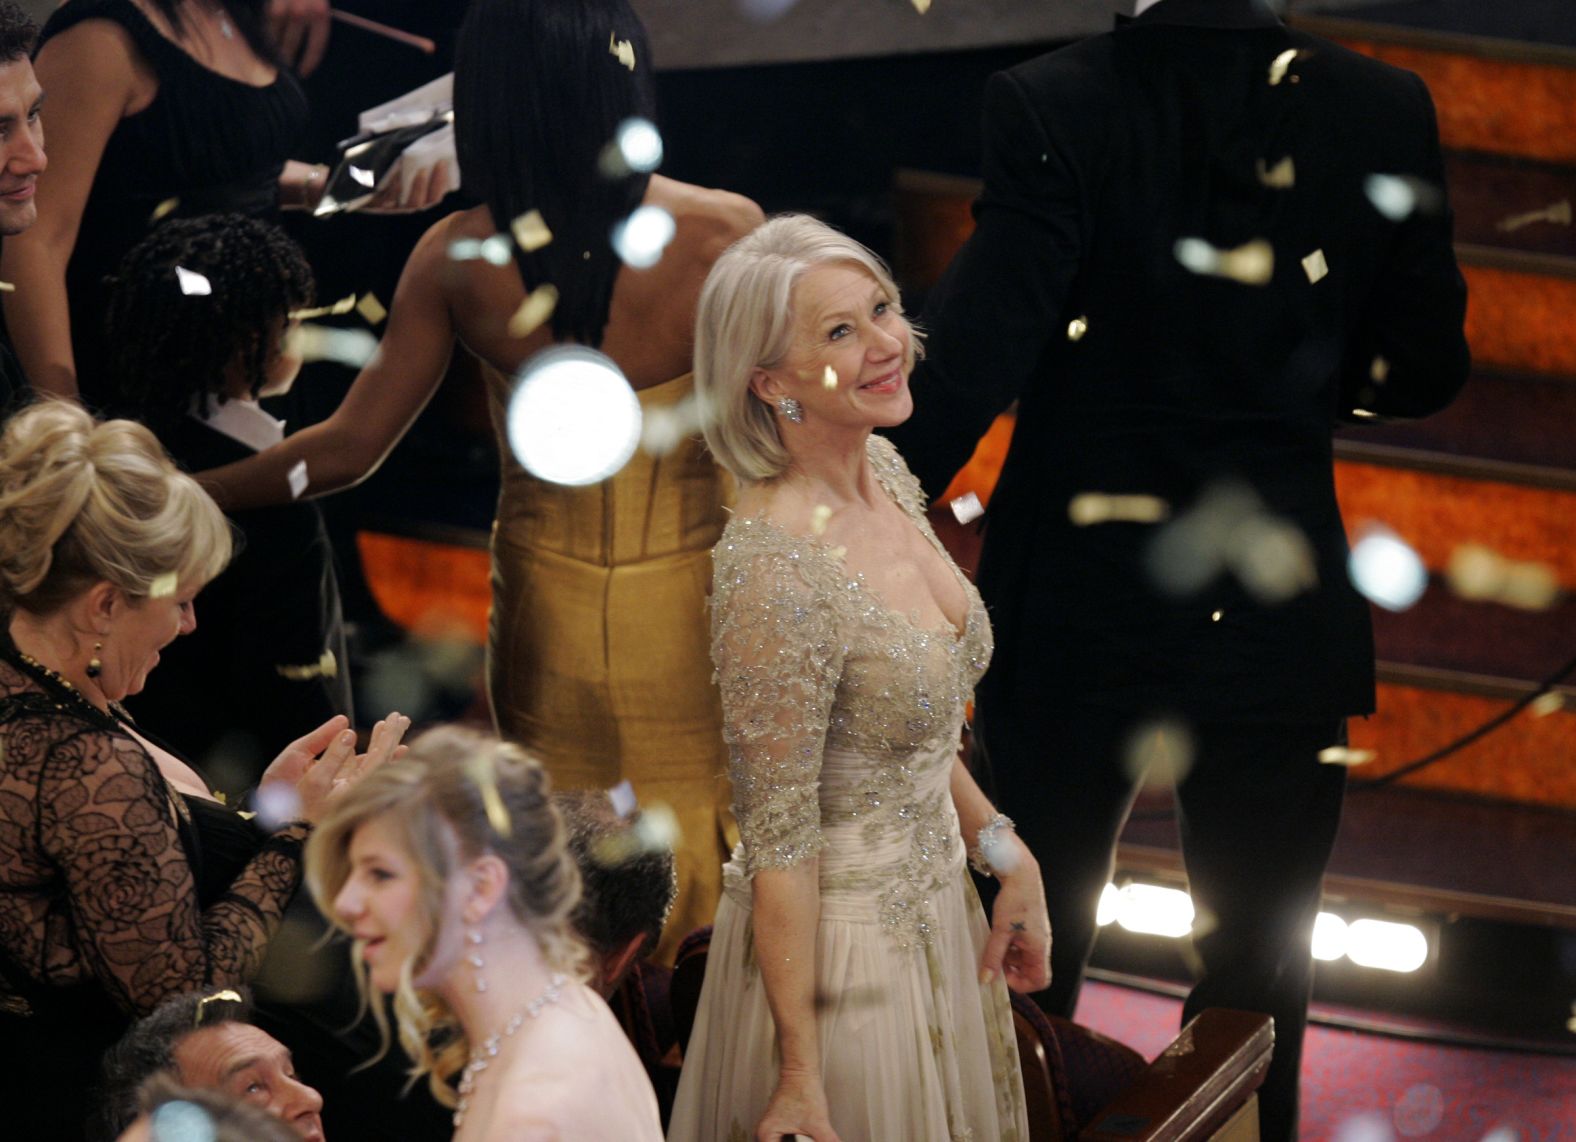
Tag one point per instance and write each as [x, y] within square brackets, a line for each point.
[538, 93]
[246, 15]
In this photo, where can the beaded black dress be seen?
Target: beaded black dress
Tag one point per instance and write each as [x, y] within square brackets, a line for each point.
[842, 719]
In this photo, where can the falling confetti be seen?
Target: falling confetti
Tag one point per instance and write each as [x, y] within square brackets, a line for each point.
[1159, 752]
[636, 147]
[485, 777]
[621, 50]
[573, 418]
[530, 231]
[164, 586]
[277, 804]
[1281, 176]
[1088, 508]
[7, 287]
[1482, 574]
[1076, 328]
[1385, 570]
[326, 666]
[534, 311]
[1252, 263]
[921, 6]
[343, 306]
[162, 210]
[1341, 755]
[1316, 267]
[829, 378]
[1280, 65]
[1230, 530]
[664, 429]
[297, 479]
[819, 519]
[1397, 196]
[640, 239]
[493, 250]
[1551, 703]
[1379, 371]
[1559, 214]
[192, 283]
[351, 347]
[371, 309]
[623, 799]
[967, 507]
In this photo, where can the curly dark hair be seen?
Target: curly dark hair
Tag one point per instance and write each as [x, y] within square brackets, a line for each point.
[168, 346]
[17, 33]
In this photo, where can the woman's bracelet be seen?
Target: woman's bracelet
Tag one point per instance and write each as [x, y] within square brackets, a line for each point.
[990, 847]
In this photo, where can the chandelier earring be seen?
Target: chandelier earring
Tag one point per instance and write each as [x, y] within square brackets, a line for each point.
[474, 957]
[96, 664]
[791, 408]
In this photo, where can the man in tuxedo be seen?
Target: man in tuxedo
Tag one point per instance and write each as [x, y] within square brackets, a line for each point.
[1178, 274]
[21, 160]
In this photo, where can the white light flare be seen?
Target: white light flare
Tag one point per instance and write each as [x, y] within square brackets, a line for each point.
[573, 418]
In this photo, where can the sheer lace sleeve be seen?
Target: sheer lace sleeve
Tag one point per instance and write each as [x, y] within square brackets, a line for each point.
[106, 822]
[775, 645]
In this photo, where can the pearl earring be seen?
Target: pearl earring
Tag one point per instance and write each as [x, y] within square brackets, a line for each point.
[474, 938]
[96, 664]
[791, 408]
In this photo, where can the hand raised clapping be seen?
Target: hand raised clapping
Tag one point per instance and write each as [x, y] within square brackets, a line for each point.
[324, 764]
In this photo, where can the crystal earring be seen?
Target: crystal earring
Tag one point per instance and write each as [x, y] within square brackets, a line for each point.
[474, 938]
[96, 664]
[791, 408]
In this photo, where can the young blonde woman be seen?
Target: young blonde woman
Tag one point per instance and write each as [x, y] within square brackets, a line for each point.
[450, 871]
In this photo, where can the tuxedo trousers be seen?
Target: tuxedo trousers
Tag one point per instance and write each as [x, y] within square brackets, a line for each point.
[1257, 813]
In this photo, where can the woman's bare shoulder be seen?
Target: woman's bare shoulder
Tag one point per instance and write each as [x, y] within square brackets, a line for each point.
[712, 218]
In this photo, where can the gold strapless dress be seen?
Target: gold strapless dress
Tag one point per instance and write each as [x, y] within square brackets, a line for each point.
[598, 655]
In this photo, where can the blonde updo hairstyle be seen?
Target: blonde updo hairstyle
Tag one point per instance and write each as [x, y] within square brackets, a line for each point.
[457, 795]
[84, 501]
[745, 321]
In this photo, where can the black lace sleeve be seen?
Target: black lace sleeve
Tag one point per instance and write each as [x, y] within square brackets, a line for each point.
[106, 821]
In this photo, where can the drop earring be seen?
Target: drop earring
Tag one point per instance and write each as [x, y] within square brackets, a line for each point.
[791, 408]
[474, 958]
[96, 664]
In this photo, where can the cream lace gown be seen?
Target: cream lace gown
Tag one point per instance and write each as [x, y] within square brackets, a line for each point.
[842, 719]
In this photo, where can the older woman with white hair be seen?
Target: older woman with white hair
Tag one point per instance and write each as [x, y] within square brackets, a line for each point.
[854, 989]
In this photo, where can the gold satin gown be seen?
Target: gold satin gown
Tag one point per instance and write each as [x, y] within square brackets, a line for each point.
[598, 657]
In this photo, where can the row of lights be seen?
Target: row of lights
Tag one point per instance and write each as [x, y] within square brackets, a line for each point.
[1153, 910]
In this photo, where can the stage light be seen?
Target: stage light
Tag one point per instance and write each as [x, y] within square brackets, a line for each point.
[1330, 937]
[1155, 911]
[573, 418]
[1110, 904]
[1386, 945]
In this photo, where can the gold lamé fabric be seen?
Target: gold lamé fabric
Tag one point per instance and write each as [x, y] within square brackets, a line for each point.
[597, 657]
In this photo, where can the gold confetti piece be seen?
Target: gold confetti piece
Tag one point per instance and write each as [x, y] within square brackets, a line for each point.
[621, 50]
[342, 306]
[1252, 263]
[326, 666]
[921, 6]
[1379, 371]
[1315, 266]
[371, 309]
[1551, 703]
[829, 378]
[534, 310]
[1076, 328]
[1280, 64]
[819, 518]
[1481, 574]
[1364, 414]
[297, 479]
[164, 586]
[225, 996]
[1558, 213]
[192, 283]
[530, 231]
[7, 287]
[967, 507]
[163, 209]
[485, 779]
[1340, 755]
[1087, 508]
[1281, 176]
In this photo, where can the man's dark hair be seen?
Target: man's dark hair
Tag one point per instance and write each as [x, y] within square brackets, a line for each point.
[167, 345]
[627, 884]
[18, 33]
[539, 92]
[148, 1048]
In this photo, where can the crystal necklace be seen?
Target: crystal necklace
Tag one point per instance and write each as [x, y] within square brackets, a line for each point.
[491, 1045]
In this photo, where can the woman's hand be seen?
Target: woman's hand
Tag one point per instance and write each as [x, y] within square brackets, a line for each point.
[427, 188]
[1019, 947]
[797, 1107]
[324, 764]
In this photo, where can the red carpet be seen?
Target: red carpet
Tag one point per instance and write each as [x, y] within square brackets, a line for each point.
[1359, 1087]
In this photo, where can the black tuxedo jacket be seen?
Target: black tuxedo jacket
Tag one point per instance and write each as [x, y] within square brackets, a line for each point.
[1098, 158]
[276, 605]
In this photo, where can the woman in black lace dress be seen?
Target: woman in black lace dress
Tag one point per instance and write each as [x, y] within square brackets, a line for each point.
[121, 879]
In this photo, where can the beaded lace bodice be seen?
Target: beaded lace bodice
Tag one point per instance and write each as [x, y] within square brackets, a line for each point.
[842, 716]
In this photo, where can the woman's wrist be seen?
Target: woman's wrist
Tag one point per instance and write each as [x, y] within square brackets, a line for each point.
[303, 186]
[993, 852]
